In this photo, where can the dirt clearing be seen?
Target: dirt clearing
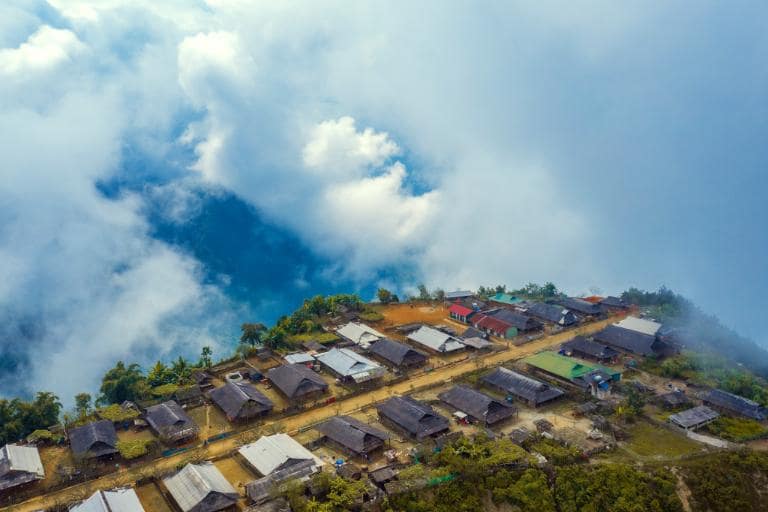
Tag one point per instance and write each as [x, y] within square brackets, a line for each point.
[152, 499]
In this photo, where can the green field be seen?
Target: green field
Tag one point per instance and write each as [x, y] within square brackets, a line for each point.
[648, 440]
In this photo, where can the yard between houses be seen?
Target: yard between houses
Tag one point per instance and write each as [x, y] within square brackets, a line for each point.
[235, 472]
[305, 419]
[152, 499]
[210, 419]
[647, 440]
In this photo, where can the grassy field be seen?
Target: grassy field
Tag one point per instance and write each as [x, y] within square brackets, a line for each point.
[648, 440]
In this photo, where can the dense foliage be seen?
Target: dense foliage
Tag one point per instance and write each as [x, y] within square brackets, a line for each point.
[133, 449]
[19, 418]
[729, 481]
[737, 429]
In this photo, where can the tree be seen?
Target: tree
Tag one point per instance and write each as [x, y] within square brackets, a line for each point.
[251, 333]
[159, 375]
[83, 405]
[122, 383]
[181, 369]
[439, 294]
[384, 295]
[424, 293]
[205, 357]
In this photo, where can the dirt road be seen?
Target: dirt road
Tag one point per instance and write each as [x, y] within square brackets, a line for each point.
[292, 424]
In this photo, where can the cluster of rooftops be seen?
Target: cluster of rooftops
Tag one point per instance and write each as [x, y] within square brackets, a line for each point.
[580, 365]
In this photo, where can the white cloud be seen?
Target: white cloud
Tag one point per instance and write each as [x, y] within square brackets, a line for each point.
[45, 49]
[336, 147]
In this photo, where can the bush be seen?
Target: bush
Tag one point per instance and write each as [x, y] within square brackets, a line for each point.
[737, 429]
[557, 453]
[164, 390]
[116, 414]
[371, 316]
[42, 435]
[134, 449]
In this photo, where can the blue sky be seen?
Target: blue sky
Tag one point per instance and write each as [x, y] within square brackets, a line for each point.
[172, 169]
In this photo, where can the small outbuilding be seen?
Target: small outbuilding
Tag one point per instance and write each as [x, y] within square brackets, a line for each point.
[277, 452]
[93, 440]
[436, 341]
[416, 419]
[695, 418]
[241, 401]
[359, 334]
[170, 422]
[673, 400]
[351, 366]
[201, 488]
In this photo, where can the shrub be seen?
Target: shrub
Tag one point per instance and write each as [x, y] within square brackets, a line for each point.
[737, 429]
[134, 449]
[116, 414]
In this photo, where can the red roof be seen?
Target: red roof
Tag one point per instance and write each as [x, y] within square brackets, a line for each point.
[594, 299]
[458, 309]
[494, 324]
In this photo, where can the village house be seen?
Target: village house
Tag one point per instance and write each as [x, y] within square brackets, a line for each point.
[353, 436]
[581, 306]
[201, 488]
[203, 379]
[458, 295]
[477, 405]
[416, 419]
[531, 391]
[580, 346]
[613, 303]
[460, 313]
[695, 418]
[551, 313]
[170, 422]
[593, 379]
[630, 341]
[189, 396]
[297, 382]
[493, 326]
[115, 500]
[641, 325]
[435, 341]
[93, 440]
[262, 490]
[523, 323]
[359, 334]
[673, 400]
[241, 401]
[736, 405]
[277, 452]
[506, 299]
[397, 355]
[299, 358]
[19, 465]
[350, 366]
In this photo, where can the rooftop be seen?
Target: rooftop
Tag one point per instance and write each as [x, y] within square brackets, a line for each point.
[435, 340]
[271, 453]
[196, 483]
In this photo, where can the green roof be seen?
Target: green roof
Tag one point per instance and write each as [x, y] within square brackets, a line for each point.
[506, 298]
[562, 366]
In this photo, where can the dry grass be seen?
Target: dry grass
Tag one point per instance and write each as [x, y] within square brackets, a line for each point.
[399, 314]
[235, 473]
[210, 419]
[152, 499]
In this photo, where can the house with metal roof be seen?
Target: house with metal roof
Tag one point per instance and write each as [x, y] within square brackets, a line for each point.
[435, 341]
[580, 306]
[352, 435]
[351, 366]
[396, 354]
[525, 388]
[611, 302]
[580, 346]
[276, 452]
[115, 500]
[477, 405]
[241, 401]
[493, 327]
[262, 490]
[593, 378]
[359, 334]
[19, 465]
[694, 418]
[299, 358]
[552, 313]
[458, 294]
[630, 341]
[641, 325]
[730, 403]
[201, 488]
[520, 321]
[416, 419]
[673, 400]
[297, 382]
[93, 440]
[170, 422]
[460, 313]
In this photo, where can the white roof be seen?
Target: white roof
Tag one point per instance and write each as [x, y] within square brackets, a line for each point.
[436, 340]
[359, 334]
[300, 357]
[270, 452]
[640, 325]
[348, 363]
[458, 294]
[116, 500]
[23, 458]
[194, 482]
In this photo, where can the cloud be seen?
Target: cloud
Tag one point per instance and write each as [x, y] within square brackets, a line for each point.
[46, 48]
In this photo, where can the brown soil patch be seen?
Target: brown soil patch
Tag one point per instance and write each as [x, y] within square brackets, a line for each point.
[399, 314]
[152, 499]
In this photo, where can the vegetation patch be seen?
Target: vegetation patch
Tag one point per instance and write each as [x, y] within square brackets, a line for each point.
[164, 390]
[557, 453]
[45, 436]
[134, 448]
[737, 429]
[116, 413]
[651, 441]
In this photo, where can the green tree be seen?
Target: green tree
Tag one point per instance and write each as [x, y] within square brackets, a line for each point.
[438, 294]
[122, 383]
[182, 370]
[83, 405]
[252, 333]
[423, 292]
[206, 360]
[159, 375]
[384, 295]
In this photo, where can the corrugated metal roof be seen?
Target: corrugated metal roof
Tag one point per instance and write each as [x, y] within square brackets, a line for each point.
[360, 334]
[735, 403]
[349, 363]
[458, 309]
[195, 482]
[116, 500]
[459, 294]
[522, 386]
[694, 417]
[640, 325]
[299, 357]
[632, 341]
[476, 342]
[436, 340]
[22, 458]
[556, 364]
[271, 452]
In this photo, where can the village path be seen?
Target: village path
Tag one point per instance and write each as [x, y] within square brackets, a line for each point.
[301, 421]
